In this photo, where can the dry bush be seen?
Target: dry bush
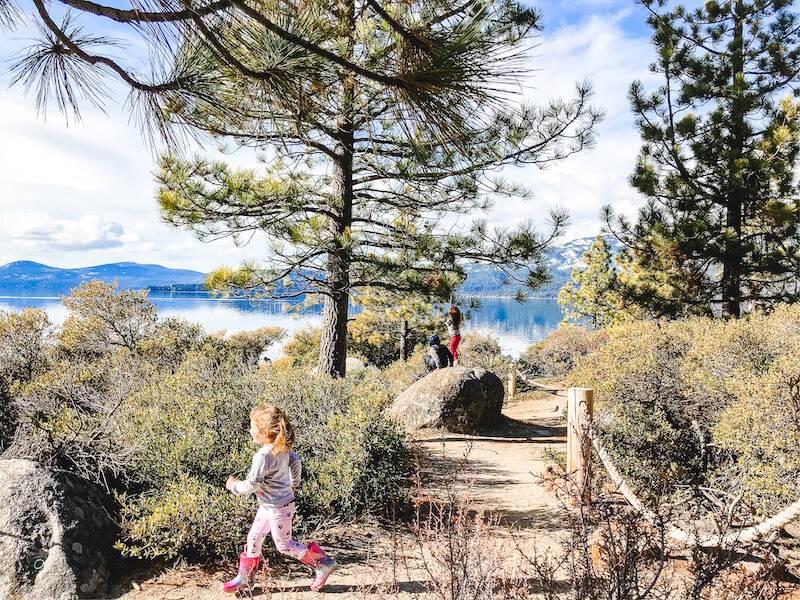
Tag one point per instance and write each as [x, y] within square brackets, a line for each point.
[556, 355]
[702, 403]
[461, 552]
[618, 552]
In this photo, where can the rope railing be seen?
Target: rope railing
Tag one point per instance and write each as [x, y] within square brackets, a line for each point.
[743, 536]
[516, 373]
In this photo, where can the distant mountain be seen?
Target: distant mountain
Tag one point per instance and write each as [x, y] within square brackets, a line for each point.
[481, 280]
[485, 281]
[28, 275]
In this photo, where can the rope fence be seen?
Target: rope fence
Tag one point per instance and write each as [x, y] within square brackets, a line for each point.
[517, 374]
[584, 426]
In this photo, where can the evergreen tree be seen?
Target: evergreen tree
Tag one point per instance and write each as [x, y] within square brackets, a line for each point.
[391, 324]
[592, 294]
[720, 226]
[359, 191]
[376, 119]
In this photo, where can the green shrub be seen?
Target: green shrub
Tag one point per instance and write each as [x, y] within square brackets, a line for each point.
[248, 345]
[702, 401]
[161, 417]
[760, 428]
[24, 337]
[303, 347]
[483, 350]
[354, 461]
[171, 341]
[641, 402]
[23, 340]
[187, 517]
[72, 416]
[376, 335]
[402, 373]
[556, 355]
[102, 319]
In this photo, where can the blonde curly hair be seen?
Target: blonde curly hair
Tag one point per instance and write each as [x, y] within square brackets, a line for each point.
[272, 422]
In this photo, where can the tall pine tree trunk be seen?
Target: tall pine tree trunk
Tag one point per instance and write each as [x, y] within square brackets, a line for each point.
[737, 194]
[333, 344]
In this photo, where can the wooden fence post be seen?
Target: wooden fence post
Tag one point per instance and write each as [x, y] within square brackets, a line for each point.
[512, 383]
[580, 403]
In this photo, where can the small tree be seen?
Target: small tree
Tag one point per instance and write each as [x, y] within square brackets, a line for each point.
[593, 292]
[101, 319]
[23, 341]
[392, 321]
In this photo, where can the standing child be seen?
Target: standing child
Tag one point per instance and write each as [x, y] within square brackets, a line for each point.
[273, 477]
[453, 323]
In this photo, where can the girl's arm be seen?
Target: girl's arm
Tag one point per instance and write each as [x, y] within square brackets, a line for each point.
[295, 468]
[249, 484]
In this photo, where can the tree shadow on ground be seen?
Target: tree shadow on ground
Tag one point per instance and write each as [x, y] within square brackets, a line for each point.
[507, 431]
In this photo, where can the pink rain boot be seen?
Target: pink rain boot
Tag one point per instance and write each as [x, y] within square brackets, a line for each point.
[322, 564]
[246, 575]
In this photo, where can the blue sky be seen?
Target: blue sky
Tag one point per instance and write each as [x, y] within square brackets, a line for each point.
[82, 194]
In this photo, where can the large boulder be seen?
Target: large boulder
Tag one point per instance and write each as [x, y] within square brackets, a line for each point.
[56, 537]
[460, 399]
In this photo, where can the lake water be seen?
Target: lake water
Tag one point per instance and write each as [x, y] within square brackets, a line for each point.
[516, 326]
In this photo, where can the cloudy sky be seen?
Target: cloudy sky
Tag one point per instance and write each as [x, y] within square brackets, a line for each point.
[82, 195]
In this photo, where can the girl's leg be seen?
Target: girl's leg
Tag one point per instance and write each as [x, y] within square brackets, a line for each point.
[249, 559]
[258, 531]
[454, 346]
[280, 523]
[313, 556]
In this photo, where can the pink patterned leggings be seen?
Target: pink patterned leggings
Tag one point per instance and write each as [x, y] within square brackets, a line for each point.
[278, 521]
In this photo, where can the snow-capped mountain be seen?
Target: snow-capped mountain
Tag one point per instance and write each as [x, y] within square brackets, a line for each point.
[561, 260]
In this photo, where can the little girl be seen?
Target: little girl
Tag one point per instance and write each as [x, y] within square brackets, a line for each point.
[453, 323]
[273, 477]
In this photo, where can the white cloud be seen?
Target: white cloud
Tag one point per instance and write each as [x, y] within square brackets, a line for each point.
[602, 50]
[42, 232]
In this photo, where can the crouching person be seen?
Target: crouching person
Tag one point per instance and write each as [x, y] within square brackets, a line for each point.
[438, 356]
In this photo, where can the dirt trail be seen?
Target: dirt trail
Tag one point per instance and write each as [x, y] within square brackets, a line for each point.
[500, 470]
[505, 465]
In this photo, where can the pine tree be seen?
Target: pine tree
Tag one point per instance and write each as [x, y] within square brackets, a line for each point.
[592, 294]
[720, 226]
[377, 121]
[359, 191]
[391, 321]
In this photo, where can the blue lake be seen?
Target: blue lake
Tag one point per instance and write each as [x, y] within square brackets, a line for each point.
[516, 326]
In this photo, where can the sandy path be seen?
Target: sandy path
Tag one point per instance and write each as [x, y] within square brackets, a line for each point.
[500, 471]
[506, 465]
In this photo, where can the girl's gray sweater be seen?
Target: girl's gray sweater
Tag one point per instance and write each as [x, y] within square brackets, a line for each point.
[452, 330]
[271, 478]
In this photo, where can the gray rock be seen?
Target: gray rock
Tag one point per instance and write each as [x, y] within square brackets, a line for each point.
[460, 399]
[354, 364]
[56, 537]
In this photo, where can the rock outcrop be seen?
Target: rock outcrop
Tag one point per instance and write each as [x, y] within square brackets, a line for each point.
[460, 399]
[56, 537]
